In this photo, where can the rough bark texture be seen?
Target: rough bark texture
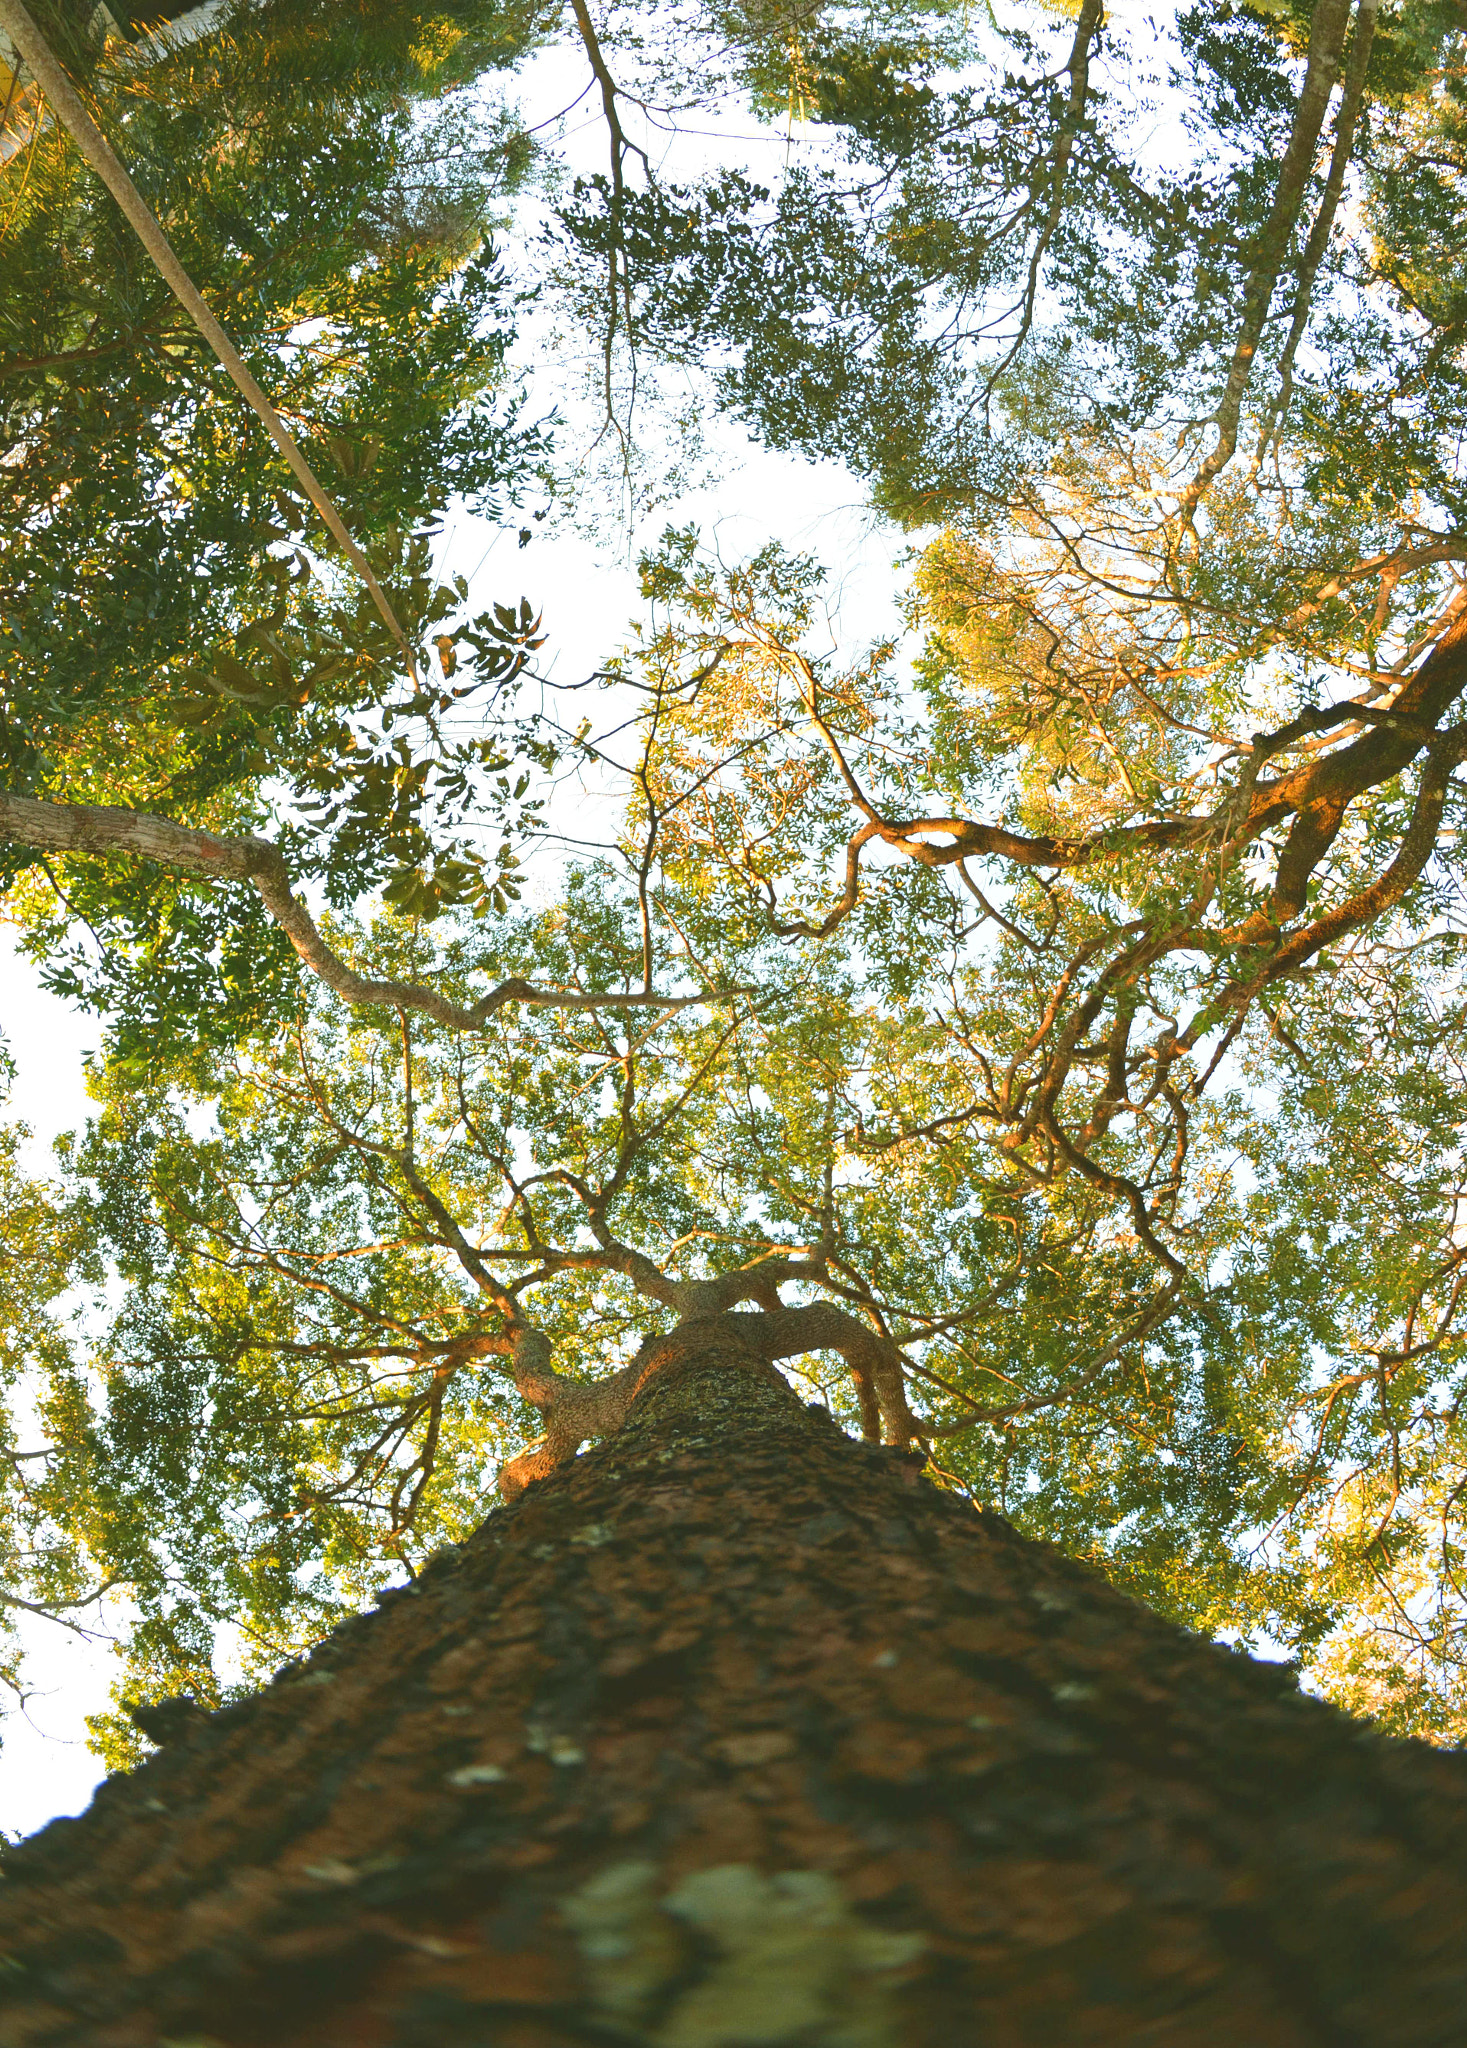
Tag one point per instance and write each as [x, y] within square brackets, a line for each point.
[736, 1732]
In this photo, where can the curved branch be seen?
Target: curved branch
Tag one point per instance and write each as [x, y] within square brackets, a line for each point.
[1318, 793]
[821, 1326]
[109, 829]
[575, 1409]
[1416, 848]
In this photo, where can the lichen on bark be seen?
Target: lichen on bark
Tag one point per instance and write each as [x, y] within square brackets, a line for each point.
[786, 1960]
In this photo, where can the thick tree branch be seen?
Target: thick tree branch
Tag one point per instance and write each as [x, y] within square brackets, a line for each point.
[1416, 848]
[1318, 793]
[108, 829]
[576, 1409]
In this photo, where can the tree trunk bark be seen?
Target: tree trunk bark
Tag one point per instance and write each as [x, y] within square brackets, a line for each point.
[736, 1732]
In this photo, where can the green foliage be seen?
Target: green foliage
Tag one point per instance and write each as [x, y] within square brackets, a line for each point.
[172, 635]
[44, 1253]
[289, 1405]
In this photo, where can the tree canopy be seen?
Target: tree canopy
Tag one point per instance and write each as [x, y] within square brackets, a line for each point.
[1048, 1021]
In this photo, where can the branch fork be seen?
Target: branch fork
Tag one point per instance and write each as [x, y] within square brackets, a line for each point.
[576, 1410]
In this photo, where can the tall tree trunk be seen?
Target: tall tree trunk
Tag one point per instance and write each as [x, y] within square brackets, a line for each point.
[736, 1732]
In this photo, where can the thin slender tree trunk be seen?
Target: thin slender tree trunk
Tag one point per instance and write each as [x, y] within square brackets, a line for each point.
[736, 1732]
